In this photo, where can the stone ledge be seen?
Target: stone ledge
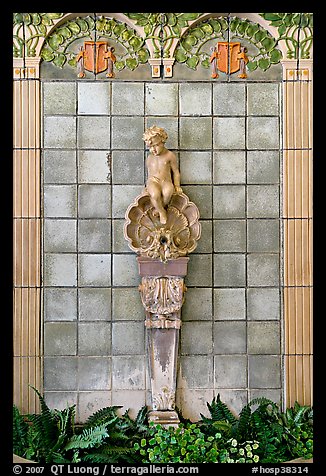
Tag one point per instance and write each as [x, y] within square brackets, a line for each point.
[300, 460]
[18, 459]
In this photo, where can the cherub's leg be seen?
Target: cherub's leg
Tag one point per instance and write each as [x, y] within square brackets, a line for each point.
[167, 192]
[156, 199]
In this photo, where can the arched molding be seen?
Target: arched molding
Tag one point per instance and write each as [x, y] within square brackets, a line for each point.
[117, 16]
[253, 17]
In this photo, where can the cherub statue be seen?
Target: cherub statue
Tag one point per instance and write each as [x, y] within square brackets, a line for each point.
[163, 172]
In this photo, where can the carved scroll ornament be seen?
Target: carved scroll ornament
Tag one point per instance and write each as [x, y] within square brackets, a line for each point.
[162, 298]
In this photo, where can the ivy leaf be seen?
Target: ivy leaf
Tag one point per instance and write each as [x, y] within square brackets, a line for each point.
[82, 23]
[42, 29]
[275, 56]
[192, 62]
[198, 33]
[60, 60]
[180, 56]
[189, 42]
[142, 21]
[108, 27]
[46, 20]
[143, 55]
[119, 65]
[216, 25]
[148, 29]
[207, 28]
[252, 65]
[134, 16]
[224, 23]
[18, 18]
[126, 35]
[234, 23]
[55, 41]
[118, 29]
[252, 29]
[101, 24]
[36, 18]
[206, 63]
[53, 16]
[270, 16]
[260, 35]
[189, 16]
[176, 29]
[153, 18]
[91, 23]
[131, 63]
[27, 19]
[47, 54]
[297, 18]
[264, 63]
[304, 20]
[288, 19]
[181, 22]
[73, 62]
[65, 32]
[74, 27]
[135, 42]
[268, 43]
[282, 29]
[172, 19]
[242, 27]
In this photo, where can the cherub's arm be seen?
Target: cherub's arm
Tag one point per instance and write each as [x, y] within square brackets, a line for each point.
[145, 186]
[176, 173]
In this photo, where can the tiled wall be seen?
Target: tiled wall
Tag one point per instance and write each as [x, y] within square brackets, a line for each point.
[227, 138]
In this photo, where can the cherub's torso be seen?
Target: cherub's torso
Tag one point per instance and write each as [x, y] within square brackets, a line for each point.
[159, 166]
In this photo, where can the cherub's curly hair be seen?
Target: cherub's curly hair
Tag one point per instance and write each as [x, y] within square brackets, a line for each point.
[155, 131]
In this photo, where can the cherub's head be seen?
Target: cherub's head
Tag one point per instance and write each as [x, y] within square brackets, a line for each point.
[154, 132]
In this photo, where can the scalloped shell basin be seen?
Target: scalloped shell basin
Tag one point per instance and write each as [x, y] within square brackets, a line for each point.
[146, 235]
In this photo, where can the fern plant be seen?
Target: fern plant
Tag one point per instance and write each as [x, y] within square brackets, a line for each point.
[222, 419]
[49, 432]
[123, 431]
[19, 433]
[51, 435]
[282, 435]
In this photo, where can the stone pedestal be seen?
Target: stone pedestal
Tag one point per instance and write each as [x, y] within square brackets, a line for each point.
[162, 293]
[162, 258]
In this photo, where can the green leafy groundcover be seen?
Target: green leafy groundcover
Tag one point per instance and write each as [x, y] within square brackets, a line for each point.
[261, 432]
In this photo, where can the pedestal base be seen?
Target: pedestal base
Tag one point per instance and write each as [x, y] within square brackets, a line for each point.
[164, 417]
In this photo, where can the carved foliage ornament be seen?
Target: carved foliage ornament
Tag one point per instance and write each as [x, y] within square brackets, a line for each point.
[147, 236]
[164, 400]
[162, 295]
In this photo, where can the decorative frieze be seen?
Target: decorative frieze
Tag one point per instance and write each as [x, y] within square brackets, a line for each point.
[161, 39]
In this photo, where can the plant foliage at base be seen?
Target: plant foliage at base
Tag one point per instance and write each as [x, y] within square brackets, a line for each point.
[52, 437]
[261, 432]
